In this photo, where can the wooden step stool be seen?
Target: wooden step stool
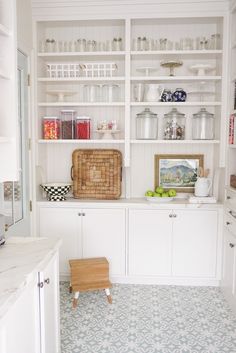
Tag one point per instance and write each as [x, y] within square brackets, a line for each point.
[88, 275]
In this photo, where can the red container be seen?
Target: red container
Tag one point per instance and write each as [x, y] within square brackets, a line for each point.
[83, 128]
[51, 128]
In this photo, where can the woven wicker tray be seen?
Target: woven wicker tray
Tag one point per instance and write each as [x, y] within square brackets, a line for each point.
[97, 173]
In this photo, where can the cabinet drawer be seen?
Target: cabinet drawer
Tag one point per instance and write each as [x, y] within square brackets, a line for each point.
[230, 221]
[231, 200]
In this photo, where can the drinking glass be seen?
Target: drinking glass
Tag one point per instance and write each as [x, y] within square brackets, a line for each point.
[139, 92]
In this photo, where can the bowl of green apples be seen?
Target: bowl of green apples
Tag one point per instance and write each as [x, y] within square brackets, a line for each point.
[159, 195]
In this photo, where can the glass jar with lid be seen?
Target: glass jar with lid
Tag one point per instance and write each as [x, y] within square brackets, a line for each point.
[174, 128]
[67, 124]
[51, 128]
[146, 125]
[203, 125]
[83, 128]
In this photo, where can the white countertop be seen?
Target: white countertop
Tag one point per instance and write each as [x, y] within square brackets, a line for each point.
[127, 203]
[20, 260]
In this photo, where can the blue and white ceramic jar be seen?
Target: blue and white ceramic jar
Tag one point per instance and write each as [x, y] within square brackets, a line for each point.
[166, 96]
[179, 95]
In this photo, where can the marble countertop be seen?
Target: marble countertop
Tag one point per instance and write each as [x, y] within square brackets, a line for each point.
[20, 260]
[128, 203]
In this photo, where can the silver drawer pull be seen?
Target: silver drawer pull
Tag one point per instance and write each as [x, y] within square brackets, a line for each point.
[231, 245]
[228, 223]
[47, 281]
[170, 215]
[228, 197]
[232, 213]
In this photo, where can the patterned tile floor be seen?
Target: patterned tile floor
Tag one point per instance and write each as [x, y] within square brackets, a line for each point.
[148, 319]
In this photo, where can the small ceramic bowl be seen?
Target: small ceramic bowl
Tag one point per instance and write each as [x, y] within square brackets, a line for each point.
[56, 191]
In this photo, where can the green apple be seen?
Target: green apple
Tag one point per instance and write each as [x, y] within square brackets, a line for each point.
[159, 190]
[149, 193]
[165, 194]
[172, 192]
[155, 194]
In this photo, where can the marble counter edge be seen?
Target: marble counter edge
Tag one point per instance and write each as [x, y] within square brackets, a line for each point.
[18, 278]
[127, 203]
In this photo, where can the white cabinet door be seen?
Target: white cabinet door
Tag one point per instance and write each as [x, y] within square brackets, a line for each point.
[195, 243]
[20, 328]
[104, 235]
[62, 223]
[150, 242]
[49, 307]
[228, 281]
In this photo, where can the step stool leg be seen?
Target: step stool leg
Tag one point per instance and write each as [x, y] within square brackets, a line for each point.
[75, 300]
[108, 294]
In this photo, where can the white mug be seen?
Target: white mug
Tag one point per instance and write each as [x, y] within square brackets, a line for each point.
[202, 187]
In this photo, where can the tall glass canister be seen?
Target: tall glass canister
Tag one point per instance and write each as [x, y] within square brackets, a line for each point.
[146, 125]
[203, 125]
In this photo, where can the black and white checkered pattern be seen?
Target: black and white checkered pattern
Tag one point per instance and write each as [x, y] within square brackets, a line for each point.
[56, 193]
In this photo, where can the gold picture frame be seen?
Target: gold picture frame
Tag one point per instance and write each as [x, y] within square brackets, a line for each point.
[177, 171]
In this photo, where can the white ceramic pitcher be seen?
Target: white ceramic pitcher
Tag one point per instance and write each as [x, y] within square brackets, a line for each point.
[202, 187]
[153, 92]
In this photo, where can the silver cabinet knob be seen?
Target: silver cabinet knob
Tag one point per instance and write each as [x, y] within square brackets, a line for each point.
[231, 245]
[47, 281]
[40, 284]
[170, 215]
[174, 215]
[228, 223]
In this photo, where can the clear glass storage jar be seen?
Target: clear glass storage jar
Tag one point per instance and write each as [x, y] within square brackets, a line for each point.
[203, 125]
[146, 125]
[91, 93]
[51, 128]
[83, 128]
[68, 124]
[110, 93]
[174, 128]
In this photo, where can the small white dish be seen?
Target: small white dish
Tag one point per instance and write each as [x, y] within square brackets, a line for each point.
[201, 69]
[61, 94]
[159, 199]
[147, 70]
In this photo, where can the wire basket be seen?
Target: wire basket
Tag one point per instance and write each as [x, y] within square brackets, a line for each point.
[61, 70]
[98, 69]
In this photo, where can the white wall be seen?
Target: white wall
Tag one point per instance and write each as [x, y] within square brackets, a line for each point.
[24, 25]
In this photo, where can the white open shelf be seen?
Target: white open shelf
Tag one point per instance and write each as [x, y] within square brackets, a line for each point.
[81, 104]
[182, 104]
[176, 78]
[81, 79]
[4, 30]
[82, 53]
[232, 146]
[86, 142]
[175, 141]
[204, 53]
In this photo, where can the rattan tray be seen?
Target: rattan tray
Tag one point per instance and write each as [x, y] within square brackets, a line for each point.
[97, 173]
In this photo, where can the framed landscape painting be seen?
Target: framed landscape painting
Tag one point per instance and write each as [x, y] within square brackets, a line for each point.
[177, 171]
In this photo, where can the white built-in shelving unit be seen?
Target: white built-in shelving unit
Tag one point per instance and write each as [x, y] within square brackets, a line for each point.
[8, 88]
[54, 157]
[231, 149]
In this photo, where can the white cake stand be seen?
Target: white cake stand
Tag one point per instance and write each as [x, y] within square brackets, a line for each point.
[107, 134]
[147, 70]
[201, 69]
[61, 94]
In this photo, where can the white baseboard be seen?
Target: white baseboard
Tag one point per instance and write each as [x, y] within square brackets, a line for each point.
[173, 281]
